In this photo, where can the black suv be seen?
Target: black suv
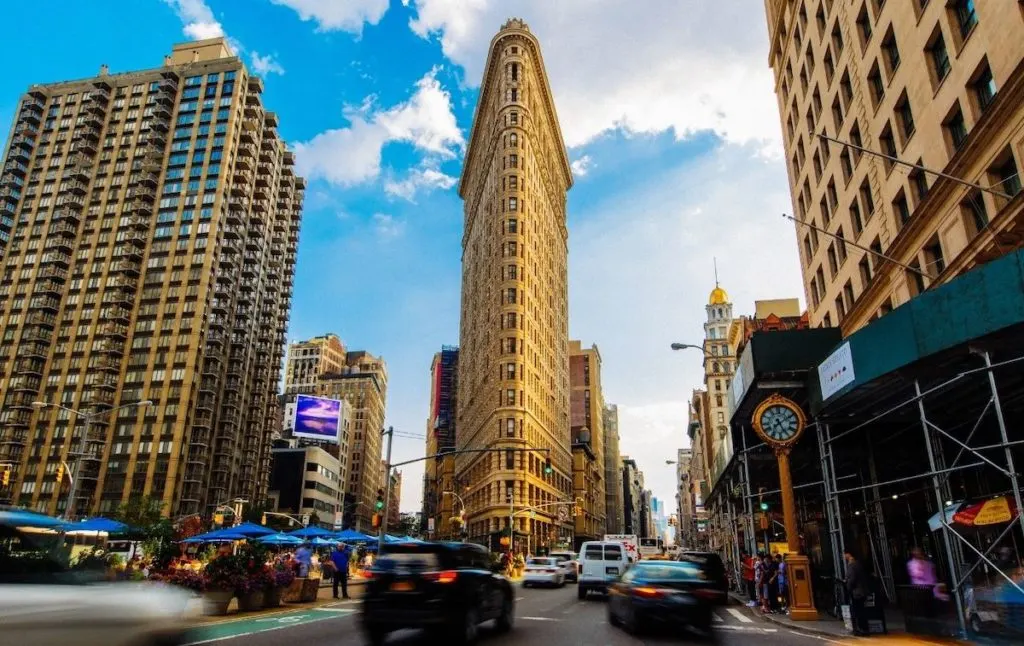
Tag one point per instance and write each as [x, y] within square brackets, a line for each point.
[446, 588]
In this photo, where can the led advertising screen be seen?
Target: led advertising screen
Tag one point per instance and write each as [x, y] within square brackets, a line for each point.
[317, 418]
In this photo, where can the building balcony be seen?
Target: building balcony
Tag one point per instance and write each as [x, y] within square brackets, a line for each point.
[19, 154]
[13, 437]
[106, 363]
[126, 266]
[10, 193]
[58, 258]
[262, 206]
[114, 331]
[203, 419]
[72, 186]
[105, 381]
[143, 192]
[87, 147]
[25, 383]
[217, 322]
[99, 397]
[100, 94]
[87, 133]
[232, 385]
[116, 313]
[72, 200]
[91, 120]
[16, 167]
[124, 282]
[29, 367]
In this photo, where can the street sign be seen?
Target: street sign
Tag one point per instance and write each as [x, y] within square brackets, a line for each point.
[430, 524]
[563, 513]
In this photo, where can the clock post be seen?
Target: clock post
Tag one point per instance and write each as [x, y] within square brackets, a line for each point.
[780, 422]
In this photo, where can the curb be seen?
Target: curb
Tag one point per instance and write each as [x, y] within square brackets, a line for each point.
[794, 626]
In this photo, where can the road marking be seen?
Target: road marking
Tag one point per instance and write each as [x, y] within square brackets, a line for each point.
[520, 598]
[749, 629]
[539, 618]
[715, 618]
[739, 615]
[252, 625]
[341, 610]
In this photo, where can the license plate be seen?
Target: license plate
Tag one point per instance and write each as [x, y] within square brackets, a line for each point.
[402, 586]
[611, 570]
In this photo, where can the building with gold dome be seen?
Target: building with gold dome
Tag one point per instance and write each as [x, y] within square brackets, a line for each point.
[719, 365]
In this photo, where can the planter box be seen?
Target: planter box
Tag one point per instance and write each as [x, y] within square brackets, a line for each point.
[272, 597]
[250, 601]
[216, 602]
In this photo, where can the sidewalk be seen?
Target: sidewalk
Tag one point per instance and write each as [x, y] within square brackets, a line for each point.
[825, 625]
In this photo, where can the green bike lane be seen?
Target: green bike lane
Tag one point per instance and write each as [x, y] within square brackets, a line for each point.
[244, 626]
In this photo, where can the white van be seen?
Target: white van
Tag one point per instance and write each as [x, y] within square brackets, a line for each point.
[601, 563]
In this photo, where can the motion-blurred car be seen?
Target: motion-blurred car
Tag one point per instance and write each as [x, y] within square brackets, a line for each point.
[44, 602]
[544, 570]
[568, 561]
[713, 568]
[446, 588]
[675, 593]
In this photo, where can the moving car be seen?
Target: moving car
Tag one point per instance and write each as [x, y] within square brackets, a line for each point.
[446, 588]
[661, 592]
[714, 569]
[569, 562]
[543, 570]
[43, 601]
[602, 563]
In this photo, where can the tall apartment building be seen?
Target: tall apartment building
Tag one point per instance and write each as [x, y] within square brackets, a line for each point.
[936, 84]
[439, 487]
[612, 472]
[719, 365]
[394, 499]
[699, 429]
[686, 524]
[632, 488]
[153, 220]
[308, 360]
[513, 355]
[586, 423]
[363, 382]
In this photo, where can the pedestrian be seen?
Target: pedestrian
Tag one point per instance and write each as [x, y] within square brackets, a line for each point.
[782, 583]
[767, 584]
[857, 586]
[759, 577]
[304, 557]
[340, 557]
[748, 578]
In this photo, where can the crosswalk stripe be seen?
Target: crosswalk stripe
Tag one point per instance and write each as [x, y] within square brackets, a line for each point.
[716, 619]
[738, 614]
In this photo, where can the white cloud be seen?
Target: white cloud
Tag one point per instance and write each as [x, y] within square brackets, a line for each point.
[651, 246]
[426, 179]
[338, 15]
[386, 226]
[352, 155]
[197, 19]
[265, 65]
[679, 66]
[581, 166]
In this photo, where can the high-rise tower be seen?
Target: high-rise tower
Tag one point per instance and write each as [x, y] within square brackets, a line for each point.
[153, 221]
[514, 357]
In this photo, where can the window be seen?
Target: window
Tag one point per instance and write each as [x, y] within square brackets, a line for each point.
[906, 115]
[888, 144]
[934, 260]
[837, 40]
[973, 207]
[847, 164]
[841, 245]
[901, 209]
[1004, 175]
[856, 140]
[864, 26]
[820, 18]
[837, 113]
[939, 57]
[848, 296]
[891, 51]
[966, 16]
[515, 71]
[855, 218]
[919, 180]
[833, 263]
[510, 427]
[513, 161]
[513, 204]
[510, 371]
[510, 459]
[955, 127]
[876, 85]
[984, 87]
[510, 397]
[512, 225]
[865, 271]
[840, 308]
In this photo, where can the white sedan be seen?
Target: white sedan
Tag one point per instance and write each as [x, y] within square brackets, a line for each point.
[543, 571]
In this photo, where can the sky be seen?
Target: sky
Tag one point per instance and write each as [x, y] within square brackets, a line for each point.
[670, 122]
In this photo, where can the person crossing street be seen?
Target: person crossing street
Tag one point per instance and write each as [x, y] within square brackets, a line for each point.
[340, 557]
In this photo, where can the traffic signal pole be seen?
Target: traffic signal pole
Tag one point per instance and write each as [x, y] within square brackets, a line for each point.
[387, 491]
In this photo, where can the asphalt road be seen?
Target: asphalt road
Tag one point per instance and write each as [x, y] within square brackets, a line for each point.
[544, 617]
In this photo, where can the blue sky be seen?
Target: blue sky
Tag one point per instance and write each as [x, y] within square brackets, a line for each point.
[672, 127]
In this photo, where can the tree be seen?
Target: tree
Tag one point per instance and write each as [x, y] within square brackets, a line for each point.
[407, 525]
[141, 512]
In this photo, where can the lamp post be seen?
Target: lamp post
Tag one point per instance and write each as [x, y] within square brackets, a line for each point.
[88, 417]
[462, 504]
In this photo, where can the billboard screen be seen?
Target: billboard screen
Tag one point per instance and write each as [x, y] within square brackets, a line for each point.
[317, 418]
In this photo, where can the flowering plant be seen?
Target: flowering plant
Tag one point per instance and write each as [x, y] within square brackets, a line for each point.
[225, 572]
[186, 578]
[284, 572]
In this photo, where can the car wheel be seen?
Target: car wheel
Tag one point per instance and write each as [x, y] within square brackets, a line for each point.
[504, 621]
[629, 621]
[581, 593]
[465, 633]
[613, 618]
[376, 636]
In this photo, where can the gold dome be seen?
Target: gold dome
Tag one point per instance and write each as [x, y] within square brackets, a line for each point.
[718, 296]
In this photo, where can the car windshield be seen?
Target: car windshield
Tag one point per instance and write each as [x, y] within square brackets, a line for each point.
[544, 562]
[409, 560]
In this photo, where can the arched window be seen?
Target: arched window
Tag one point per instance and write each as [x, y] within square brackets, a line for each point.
[513, 140]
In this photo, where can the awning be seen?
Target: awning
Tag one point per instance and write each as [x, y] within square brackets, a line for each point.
[935, 522]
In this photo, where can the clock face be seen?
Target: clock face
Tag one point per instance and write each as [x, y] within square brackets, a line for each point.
[780, 423]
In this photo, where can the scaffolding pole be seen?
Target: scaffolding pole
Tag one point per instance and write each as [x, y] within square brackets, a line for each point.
[997, 405]
[833, 513]
[883, 535]
[937, 490]
[751, 537]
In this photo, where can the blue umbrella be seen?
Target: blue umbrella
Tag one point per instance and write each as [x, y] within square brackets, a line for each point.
[215, 537]
[411, 539]
[23, 518]
[251, 529]
[352, 536]
[98, 524]
[388, 538]
[279, 539]
[312, 532]
[322, 542]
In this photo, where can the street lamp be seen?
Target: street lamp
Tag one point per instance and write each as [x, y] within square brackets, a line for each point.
[462, 504]
[88, 417]
[684, 346]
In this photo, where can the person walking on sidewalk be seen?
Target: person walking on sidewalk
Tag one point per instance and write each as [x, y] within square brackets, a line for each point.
[340, 557]
[858, 588]
[782, 581]
[748, 578]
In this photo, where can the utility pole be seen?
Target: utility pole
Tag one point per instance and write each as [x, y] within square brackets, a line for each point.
[387, 490]
[511, 519]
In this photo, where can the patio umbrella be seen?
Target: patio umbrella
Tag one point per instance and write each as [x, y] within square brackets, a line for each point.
[987, 512]
[279, 539]
[388, 538]
[411, 539]
[215, 537]
[322, 542]
[312, 532]
[251, 529]
[23, 518]
[98, 524]
[352, 536]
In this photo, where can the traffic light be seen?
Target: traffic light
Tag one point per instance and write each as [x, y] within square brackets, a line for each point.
[380, 500]
[60, 473]
[764, 506]
[547, 465]
[376, 520]
[5, 477]
[263, 520]
[218, 518]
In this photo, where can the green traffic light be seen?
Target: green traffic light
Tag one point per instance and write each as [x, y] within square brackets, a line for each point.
[380, 505]
[547, 469]
[764, 506]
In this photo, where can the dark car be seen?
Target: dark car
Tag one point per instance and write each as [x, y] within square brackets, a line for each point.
[446, 588]
[669, 593]
[714, 570]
